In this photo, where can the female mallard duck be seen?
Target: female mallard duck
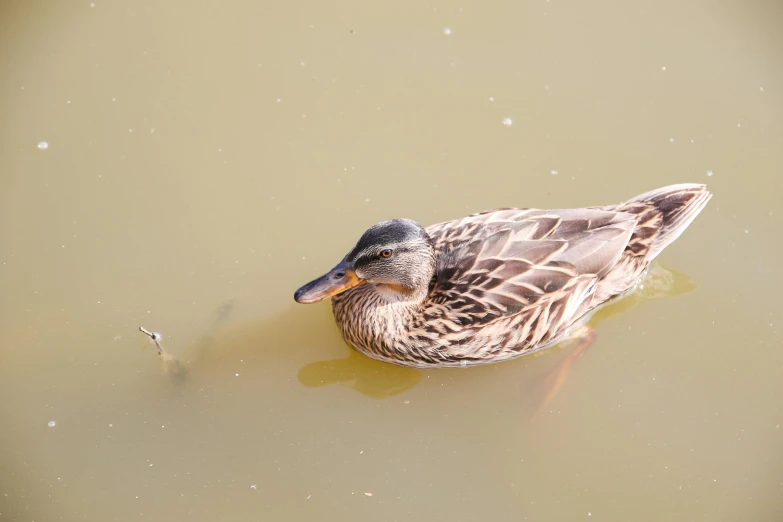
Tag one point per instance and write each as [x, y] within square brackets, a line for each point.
[498, 284]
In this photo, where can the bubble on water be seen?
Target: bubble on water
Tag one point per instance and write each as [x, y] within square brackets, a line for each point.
[507, 122]
[553, 172]
[709, 173]
[663, 68]
[43, 145]
[51, 424]
[446, 31]
[671, 140]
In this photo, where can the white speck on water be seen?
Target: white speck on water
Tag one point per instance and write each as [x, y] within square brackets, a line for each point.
[152, 465]
[51, 424]
[406, 402]
[366, 200]
[553, 172]
[361, 452]
[68, 102]
[92, 4]
[308, 496]
[746, 230]
[111, 425]
[671, 140]
[739, 125]
[236, 375]
[43, 145]
[130, 130]
[304, 116]
[302, 64]
[253, 486]
[589, 514]
[152, 130]
[709, 173]
[663, 68]
[446, 31]
[491, 98]
[220, 150]
[114, 99]
[507, 122]
[761, 89]
[279, 100]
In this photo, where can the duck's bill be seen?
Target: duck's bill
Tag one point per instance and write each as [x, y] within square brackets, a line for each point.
[338, 280]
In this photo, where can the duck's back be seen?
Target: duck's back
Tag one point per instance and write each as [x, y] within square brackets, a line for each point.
[514, 279]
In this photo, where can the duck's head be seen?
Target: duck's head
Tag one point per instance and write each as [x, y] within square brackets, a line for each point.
[397, 255]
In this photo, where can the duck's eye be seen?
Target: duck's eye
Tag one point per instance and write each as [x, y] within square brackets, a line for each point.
[386, 253]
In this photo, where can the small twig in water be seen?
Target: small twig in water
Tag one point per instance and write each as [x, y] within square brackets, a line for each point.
[155, 336]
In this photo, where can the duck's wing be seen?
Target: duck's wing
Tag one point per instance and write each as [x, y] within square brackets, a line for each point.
[501, 263]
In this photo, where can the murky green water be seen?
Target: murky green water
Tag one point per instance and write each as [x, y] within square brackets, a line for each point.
[185, 167]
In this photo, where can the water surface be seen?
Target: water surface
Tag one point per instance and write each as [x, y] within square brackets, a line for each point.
[186, 166]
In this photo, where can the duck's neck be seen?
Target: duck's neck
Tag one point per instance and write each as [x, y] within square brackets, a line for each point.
[376, 319]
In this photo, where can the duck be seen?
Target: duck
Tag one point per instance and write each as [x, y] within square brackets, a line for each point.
[498, 284]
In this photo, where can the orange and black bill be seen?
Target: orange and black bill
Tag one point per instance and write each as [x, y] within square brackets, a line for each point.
[337, 280]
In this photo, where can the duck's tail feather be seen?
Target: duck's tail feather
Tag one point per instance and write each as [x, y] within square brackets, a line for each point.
[664, 214]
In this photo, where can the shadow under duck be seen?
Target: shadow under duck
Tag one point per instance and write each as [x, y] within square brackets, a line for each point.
[498, 284]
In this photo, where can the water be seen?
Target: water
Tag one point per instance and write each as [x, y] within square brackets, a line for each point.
[204, 161]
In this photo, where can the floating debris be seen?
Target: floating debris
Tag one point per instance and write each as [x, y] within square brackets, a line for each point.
[51, 424]
[155, 337]
[507, 122]
[43, 145]
[171, 365]
[368, 494]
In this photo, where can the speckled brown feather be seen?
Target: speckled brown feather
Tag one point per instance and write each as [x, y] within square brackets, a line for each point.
[512, 281]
